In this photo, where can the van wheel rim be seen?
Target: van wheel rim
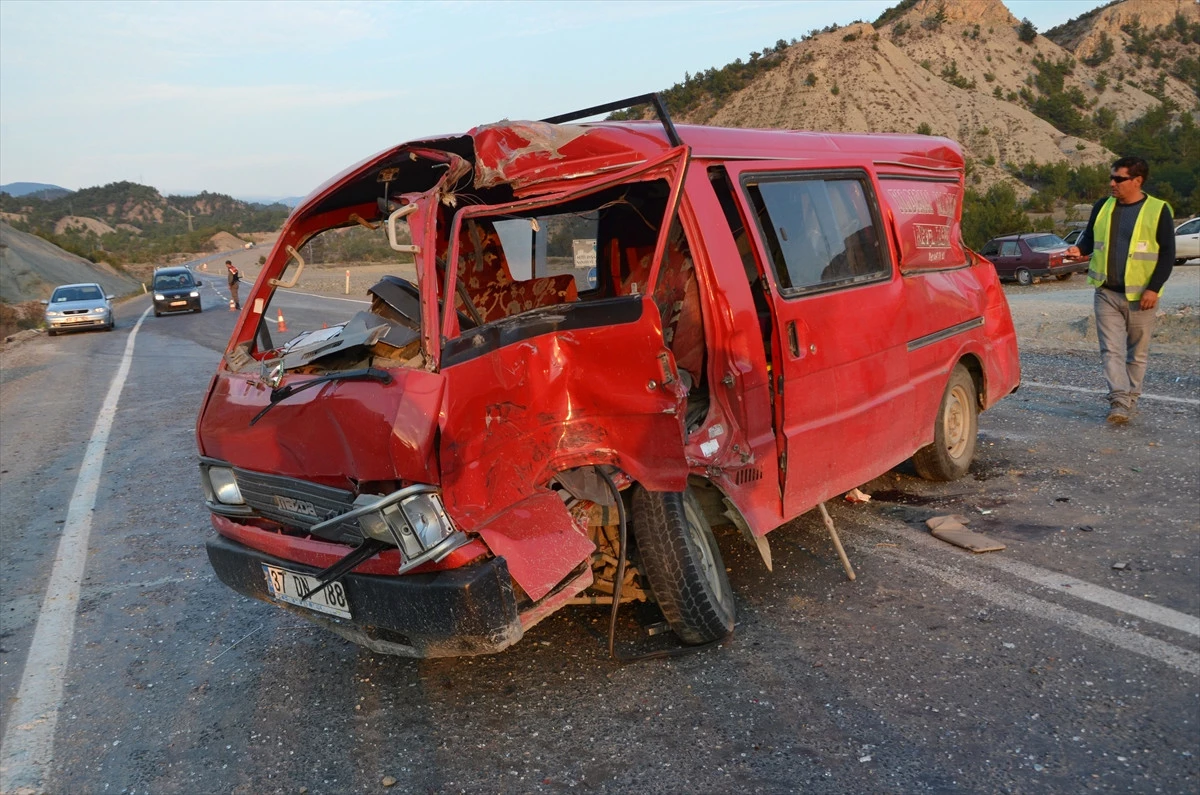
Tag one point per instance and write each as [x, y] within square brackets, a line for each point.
[955, 422]
[695, 531]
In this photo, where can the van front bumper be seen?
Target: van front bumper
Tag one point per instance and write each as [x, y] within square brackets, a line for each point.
[463, 611]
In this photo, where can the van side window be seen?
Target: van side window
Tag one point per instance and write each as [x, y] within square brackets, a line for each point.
[820, 231]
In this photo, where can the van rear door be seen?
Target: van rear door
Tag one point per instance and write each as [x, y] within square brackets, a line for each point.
[844, 402]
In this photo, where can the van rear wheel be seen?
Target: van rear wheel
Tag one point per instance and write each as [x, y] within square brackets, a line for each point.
[683, 565]
[954, 431]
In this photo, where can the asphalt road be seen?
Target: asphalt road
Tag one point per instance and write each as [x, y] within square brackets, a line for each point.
[1041, 668]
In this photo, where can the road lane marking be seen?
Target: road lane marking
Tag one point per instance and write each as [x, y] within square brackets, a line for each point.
[1065, 584]
[1081, 589]
[1089, 391]
[1170, 654]
[27, 752]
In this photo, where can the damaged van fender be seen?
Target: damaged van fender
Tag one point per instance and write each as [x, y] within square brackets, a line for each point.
[568, 323]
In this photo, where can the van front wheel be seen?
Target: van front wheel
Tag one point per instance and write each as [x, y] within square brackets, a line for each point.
[677, 549]
[954, 431]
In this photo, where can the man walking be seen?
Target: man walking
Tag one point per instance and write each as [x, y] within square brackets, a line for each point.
[235, 277]
[1131, 237]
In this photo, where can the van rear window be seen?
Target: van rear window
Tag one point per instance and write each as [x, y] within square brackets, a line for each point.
[820, 231]
[926, 215]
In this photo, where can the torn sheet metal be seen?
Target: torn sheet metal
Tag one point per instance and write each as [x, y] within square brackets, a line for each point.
[540, 542]
[360, 332]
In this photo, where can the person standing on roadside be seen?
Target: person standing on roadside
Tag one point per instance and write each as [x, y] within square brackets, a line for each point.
[1131, 237]
[235, 277]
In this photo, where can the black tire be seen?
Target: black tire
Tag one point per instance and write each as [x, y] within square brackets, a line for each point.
[955, 431]
[51, 332]
[1024, 277]
[157, 313]
[1062, 277]
[198, 309]
[683, 565]
[112, 324]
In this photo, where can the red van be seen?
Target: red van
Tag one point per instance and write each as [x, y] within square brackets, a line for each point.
[575, 323]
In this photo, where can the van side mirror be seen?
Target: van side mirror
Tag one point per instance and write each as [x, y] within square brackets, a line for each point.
[199, 283]
[44, 302]
[108, 298]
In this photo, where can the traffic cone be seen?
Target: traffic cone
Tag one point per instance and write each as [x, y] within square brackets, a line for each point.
[282, 322]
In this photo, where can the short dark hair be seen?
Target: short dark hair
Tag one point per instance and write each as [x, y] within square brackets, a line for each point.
[1134, 165]
[227, 262]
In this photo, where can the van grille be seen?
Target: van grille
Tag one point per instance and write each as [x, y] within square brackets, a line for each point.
[298, 503]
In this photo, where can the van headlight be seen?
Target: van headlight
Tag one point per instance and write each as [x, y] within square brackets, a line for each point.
[194, 294]
[224, 486]
[159, 297]
[412, 519]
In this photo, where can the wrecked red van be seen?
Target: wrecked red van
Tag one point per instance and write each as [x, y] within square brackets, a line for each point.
[573, 323]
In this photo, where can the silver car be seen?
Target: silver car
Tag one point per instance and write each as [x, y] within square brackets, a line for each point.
[78, 306]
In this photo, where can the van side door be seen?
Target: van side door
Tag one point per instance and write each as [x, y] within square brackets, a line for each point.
[843, 397]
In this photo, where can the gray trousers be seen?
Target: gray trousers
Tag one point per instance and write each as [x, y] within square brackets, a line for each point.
[1124, 330]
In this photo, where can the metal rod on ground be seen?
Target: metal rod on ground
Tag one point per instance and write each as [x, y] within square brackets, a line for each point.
[347, 282]
[837, 542]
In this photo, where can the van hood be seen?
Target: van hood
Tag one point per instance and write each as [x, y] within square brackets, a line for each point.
[330, 434]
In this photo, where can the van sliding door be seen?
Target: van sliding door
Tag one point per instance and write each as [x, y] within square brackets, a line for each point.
[844, 404]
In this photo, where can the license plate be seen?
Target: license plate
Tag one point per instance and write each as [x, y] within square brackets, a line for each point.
[289, 586]
[178, 303]
[76, 320]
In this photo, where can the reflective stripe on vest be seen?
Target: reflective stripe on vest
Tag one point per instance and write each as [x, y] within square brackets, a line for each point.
[1143, 247]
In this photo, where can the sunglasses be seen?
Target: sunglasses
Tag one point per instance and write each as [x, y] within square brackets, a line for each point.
[1117, 179]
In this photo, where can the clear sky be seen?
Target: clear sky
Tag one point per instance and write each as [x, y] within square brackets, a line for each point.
[272, 98]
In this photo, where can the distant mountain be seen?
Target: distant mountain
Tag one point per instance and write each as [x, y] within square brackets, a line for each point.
[128, 222]
[287, 201]
[38, 190]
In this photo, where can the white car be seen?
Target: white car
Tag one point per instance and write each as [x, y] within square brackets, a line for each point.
[78, 306]
[1187, 241]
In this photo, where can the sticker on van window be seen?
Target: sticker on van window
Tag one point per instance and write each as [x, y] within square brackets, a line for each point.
[925, 214]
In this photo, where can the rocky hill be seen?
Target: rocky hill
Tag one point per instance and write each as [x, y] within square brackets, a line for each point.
[30, 269]
[970, 70]
[126, 223]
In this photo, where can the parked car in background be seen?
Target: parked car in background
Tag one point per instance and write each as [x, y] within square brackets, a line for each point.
[78, 306]
[1187, 241]
[175, 290]
[1021, 257]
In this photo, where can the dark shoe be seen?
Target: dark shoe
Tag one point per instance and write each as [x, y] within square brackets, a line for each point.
[1118, 414]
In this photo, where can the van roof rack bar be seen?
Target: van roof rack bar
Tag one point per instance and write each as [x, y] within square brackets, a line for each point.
[622, 104]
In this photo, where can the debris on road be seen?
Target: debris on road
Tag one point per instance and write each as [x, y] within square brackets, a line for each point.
[855, 495]
[952, 529]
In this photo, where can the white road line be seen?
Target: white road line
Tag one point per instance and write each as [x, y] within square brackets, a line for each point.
[1080, 589]
[1174, 656]
[1065, 584]
[27, 752]
[329, 297]
[1089, 391]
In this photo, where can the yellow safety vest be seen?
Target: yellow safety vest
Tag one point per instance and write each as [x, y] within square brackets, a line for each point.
[1143, 248]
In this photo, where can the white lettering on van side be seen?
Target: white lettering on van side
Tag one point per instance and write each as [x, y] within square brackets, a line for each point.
[931, 235]
[923, 201]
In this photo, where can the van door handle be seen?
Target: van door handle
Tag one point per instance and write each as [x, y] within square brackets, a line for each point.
[793, 341]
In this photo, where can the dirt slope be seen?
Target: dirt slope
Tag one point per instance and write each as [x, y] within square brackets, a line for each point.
[30, 268]
[959, 67]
